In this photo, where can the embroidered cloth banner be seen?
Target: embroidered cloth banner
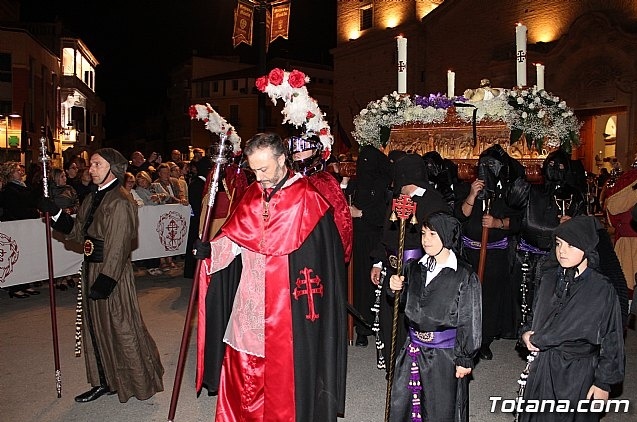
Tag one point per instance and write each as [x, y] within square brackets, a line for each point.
[162, 231]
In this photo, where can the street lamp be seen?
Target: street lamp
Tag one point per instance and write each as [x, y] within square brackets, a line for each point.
[6, 119]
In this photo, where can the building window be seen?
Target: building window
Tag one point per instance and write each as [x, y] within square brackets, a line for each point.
[366, 17]
[215, 86]
[235, 84]
[234, 115]
[5, 67]
[205, 89]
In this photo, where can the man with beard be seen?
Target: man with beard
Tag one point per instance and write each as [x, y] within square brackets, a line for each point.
[410, 179]
[496, 171]
[120, 355]
[272, 294]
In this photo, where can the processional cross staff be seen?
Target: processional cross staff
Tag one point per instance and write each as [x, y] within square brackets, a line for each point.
[403, 207]
[44, 158]
[220, 153]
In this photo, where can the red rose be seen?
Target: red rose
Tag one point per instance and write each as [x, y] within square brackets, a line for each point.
[296, 79]
[323, 131]
[192, 111]
[261, 83]
[275, 76]
[309, 115]
[326, 154]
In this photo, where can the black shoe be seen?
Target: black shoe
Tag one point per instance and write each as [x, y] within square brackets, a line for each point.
[485, 352]
[92, 394]
[61, 286]
[361, 341]
[18, 294]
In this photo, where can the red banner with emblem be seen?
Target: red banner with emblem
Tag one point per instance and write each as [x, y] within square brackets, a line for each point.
[280, 22]
[243, 17]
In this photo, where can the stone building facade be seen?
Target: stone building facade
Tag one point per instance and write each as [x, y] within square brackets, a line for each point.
[587, 47]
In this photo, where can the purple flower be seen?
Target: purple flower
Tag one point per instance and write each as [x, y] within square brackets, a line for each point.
[437, 100]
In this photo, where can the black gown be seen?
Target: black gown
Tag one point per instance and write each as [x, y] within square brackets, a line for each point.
[498, 292]
[580, 338]
[451, 300]
[432, 201]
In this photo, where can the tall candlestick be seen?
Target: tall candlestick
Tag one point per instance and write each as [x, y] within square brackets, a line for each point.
[402, 64]
[520, 54]
[451, 83]
[539, 70]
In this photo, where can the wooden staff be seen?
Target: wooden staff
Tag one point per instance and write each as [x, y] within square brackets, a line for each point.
[44, 157]
[221, 152]
[402, 208]
[350, 291]
[484, 240]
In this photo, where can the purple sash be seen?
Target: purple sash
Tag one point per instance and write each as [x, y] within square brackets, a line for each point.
[392, 256]
[433, 339]
[525, 247]
[474, 244]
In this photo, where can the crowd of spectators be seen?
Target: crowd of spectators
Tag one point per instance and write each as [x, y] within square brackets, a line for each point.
[149, 181]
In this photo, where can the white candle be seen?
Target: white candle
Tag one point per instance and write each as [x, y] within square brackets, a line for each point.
[539, 70]
[451, 83]
[402, 64]
[520, 54]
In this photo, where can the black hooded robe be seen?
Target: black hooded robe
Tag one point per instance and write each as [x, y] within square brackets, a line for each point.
[581, 344]
[452, 299]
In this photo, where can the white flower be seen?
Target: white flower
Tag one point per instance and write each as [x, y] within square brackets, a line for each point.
[524, 115]
[520, 100]
[217, 124]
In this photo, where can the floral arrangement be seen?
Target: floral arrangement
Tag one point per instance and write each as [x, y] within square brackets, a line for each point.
[379, 116]
[216, 124]
[542, 117]
[299, 108]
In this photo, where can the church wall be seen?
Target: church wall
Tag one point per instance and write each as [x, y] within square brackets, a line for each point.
[477, 40]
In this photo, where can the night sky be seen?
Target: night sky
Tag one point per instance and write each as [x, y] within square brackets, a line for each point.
[137, 47]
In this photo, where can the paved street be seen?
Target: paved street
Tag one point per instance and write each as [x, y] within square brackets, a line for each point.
[27, 383]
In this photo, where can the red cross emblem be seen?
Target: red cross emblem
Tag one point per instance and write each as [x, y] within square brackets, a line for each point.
[308, 285]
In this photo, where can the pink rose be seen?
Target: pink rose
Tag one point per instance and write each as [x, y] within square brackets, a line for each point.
[261, 83]
[296, 79]
[275, 76]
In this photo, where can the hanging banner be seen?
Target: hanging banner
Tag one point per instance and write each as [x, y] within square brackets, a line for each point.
[280, 22]
[162, 231]
[243, 16]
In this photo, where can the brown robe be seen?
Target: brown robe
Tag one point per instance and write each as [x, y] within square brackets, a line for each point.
[128, 353]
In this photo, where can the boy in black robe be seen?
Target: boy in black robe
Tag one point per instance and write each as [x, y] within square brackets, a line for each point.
[576, 327]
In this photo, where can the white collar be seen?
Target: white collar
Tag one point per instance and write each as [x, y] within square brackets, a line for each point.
[452, 261]
[107, 185]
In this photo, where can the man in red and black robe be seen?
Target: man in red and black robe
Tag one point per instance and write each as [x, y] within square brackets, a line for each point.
[272, 319]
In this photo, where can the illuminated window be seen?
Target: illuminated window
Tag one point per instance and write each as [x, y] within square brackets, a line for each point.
[366, 17]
